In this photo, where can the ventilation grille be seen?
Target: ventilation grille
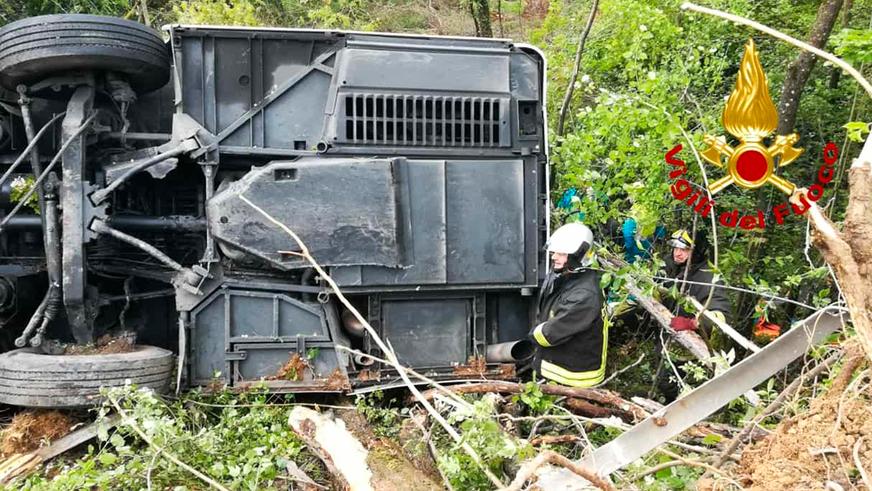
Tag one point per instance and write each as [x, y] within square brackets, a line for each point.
[423, 120]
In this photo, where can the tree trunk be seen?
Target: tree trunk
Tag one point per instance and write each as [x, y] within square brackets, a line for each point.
[836, 72]
[567, 98]
[800, 69]
[481, 16]
[849, 252]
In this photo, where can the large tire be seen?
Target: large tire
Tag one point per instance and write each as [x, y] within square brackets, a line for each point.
[38, 47]
[32, 379]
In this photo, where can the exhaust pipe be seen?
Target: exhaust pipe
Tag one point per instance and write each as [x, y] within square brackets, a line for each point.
[363, 361]
[352, 325]
[512, 351]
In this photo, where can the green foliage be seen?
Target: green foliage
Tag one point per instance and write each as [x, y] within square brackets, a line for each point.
[483, 433]
[20, 187]
[534, 399]
[15, 9]
[856, 130]
[854, 45]
[236, 439]
[384, 420]
[217, 12]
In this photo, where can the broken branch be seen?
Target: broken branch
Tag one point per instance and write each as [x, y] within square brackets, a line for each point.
[391, 356]
[127, 420]
[528, 470]
[596, 395]
[342, 454]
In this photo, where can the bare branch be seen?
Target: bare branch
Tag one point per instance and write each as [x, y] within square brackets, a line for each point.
[528, 470]
[567, 98]
[389, 353]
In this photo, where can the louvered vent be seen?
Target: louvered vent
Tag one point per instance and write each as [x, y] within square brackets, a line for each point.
[423, 120]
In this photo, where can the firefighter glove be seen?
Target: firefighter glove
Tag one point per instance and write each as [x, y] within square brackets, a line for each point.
[680, 323]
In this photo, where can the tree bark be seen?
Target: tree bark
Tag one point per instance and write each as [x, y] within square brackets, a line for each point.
[799, 70]
[480, 11]
[603, 397]
[849, 252]
[835, 73]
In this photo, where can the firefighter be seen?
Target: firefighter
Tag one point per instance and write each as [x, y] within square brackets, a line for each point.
[691, 256]
[699, 281]
[571, 337]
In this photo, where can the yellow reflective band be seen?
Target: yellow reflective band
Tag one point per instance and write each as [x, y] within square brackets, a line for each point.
[539, 336]
[570, 375]
[572, 382]
[577, 379]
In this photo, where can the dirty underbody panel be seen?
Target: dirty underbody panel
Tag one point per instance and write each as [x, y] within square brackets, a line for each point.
[412, 167]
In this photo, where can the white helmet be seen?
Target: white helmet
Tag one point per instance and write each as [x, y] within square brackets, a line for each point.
[574, 239]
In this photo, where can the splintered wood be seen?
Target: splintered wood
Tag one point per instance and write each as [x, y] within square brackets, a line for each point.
[342, 453]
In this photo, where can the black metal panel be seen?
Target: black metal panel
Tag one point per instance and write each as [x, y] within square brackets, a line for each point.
[460, 69]
[428, 333]
[294, 120]
[230, 322]
[468, 226]
[258, 361]
[208, 342]
[344, 210]
[224, 77]
[485, 216]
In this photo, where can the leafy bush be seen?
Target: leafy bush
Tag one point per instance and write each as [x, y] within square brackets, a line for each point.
[236, 439]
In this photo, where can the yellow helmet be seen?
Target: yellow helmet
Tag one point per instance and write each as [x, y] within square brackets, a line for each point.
[681, 239]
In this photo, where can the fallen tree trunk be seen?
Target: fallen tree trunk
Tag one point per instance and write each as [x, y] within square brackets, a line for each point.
[342, 454]
[605, 397]
[689, 339]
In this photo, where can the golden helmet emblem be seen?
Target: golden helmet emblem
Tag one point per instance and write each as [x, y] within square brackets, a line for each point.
[751, 117]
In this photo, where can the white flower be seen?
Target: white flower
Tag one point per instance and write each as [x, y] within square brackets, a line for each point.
[585, 78]
[643, 27]
[652, 75]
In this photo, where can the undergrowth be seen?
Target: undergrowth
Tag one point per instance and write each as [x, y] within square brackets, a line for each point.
[240, 440]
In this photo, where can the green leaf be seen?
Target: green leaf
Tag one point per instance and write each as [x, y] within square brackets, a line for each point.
[712, 439]
[107, 458]
[605, 280]
[856, 129]
[116, 440]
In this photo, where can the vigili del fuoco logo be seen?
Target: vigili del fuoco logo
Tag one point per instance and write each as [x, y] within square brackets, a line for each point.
[751, 117]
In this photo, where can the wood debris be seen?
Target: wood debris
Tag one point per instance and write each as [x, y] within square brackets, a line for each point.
[342, 453]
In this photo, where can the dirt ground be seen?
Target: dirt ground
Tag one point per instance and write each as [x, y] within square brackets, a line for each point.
[105, 345]
[401, 464]
[30, 428]
[829, 442]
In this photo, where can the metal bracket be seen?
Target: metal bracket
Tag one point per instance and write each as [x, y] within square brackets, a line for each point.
[235, 355]
[72, 203]
[317, 64]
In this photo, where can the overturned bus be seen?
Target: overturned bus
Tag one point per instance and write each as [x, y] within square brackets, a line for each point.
[413, 168]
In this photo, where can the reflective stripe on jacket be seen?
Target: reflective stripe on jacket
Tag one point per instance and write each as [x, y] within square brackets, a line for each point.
[571, 335]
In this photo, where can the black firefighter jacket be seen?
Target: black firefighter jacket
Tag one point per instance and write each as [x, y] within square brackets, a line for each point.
[697, 274]
[571, 336]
